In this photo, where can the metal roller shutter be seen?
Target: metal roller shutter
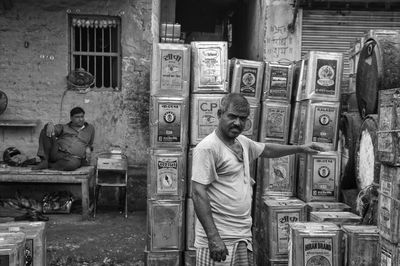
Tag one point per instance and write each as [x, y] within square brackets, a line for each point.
[334, 31]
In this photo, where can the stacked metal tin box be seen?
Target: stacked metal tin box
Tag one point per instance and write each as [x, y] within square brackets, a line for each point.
[276, 185]
[320, 240]
[209, 83]
[167, 176]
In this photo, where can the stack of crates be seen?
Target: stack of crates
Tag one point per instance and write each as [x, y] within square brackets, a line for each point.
[35, 241]
[389, 192]
[166, 179]
[209, 83]
[276, 205]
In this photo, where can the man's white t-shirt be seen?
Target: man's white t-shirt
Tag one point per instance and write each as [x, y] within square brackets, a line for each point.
[229, 186]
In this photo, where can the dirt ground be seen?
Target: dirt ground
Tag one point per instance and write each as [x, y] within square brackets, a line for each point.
[108, 240]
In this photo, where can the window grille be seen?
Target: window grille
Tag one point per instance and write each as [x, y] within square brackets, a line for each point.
[95, 47]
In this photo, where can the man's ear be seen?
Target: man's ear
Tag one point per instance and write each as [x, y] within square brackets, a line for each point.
[219, 113]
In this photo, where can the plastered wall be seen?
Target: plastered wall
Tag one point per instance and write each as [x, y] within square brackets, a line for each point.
[34, 66]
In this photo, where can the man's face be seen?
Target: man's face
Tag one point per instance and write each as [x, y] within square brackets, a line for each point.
[232, 122]
[78, 119]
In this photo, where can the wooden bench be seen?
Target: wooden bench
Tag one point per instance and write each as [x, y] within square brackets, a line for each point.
[83, 176]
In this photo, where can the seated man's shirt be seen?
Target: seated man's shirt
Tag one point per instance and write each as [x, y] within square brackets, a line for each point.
[229, 186]
[74, 141]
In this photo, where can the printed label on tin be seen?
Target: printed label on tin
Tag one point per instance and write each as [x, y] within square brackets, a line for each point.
[384, 213]
[276, 121]
[171, 69]
[279, 82]
[304, 79]
[249, 126]
[210, 64]
[318, 251]
[283, 219]
[167, 175]
[385, 140]
[326, 76]
[324, 126]
[248, 81]
[169, 122]
[324, 175]
[5, 260]
[207, 115]
[386, 257]
[279, 174]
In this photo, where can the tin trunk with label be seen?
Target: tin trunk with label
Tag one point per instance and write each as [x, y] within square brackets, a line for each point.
[169, 122]
[166, 177]
[190, 224]
[165, 258]
[278, 80]
[389, 126]
[278, 175]
[315, 244]
[251, 127]
[209, 67]
[389, 218]
[326, 207]
[204, 117]
[319, 123]
[389, 253]
[338, 218]
[322, 76]
[318, 176]
[165, 225]
[361, 245]
[12, 248]
[35, 245]
[247, 78]
[279, 212]
[275, 122]
[170, 70]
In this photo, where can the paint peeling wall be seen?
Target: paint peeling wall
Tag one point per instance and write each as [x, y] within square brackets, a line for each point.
[34, 77]
[279, 42]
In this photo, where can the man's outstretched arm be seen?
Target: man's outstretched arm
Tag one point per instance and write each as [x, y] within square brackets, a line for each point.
[273, 150]
[218, 250]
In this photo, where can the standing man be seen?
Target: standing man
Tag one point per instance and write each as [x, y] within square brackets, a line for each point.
[222, 186]
[66, 146]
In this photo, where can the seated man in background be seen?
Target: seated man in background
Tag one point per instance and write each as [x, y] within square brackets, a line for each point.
[66, 146]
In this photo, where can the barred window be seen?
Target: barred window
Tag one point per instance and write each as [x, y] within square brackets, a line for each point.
[95, 47]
